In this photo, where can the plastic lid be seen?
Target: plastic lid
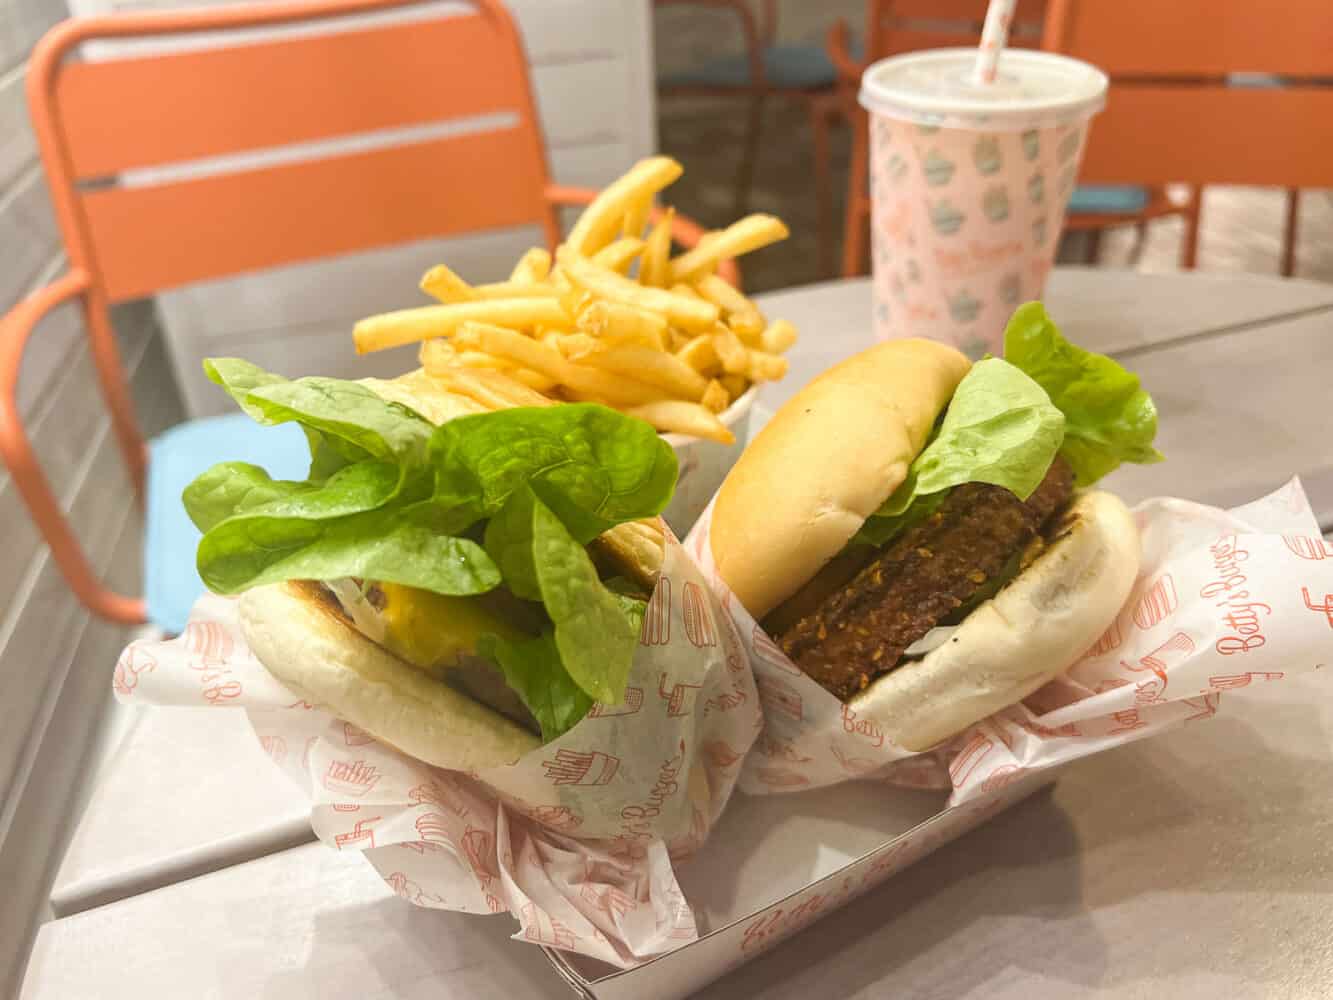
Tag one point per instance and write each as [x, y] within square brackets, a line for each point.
[935, 87]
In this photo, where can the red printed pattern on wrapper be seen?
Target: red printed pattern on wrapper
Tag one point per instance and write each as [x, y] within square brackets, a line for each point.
[1324, 607]
[573, 767]
[656, 630]
[699, 626]
[1159, 602]
[1311, 549]
[679, 697]
[133, 662]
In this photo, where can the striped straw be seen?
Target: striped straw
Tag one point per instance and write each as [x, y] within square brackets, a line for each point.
[994, 34]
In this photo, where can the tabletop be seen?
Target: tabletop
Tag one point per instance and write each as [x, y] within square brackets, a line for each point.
[1195, 864]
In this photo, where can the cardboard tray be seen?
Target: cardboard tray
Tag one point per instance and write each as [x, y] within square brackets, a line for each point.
[774, 865]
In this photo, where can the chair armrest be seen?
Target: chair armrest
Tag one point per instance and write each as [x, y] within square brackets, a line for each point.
[684, 230]
[16, 450]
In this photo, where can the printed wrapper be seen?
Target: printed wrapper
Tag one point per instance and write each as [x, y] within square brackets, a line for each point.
[575, 839]
[1223, 600]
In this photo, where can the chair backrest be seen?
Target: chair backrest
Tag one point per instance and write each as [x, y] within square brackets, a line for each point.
[362, 135]
[895, 26]
[1206, 91]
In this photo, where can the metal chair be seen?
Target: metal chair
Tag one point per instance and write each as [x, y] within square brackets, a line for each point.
[475, 160]
[766, 68]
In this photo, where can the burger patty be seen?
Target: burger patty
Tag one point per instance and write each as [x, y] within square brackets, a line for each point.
[860, 631]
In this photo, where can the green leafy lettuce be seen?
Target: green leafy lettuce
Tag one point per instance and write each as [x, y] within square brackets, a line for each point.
[1009, 419]
[506, 498]
[1109, 417]
[1000, 428]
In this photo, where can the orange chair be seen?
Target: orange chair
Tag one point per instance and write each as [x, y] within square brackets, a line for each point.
[96, 120]
[793, 72]
[897, 26]
[1207, 92]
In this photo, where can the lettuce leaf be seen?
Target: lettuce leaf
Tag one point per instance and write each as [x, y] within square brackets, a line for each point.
[1000, 428]
[394, 544]
[392, 498]
[533, 671]
[596, 630]
[594, 467]
[1109, 417]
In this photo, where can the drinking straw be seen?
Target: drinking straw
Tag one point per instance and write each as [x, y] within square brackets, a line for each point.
[994, 34]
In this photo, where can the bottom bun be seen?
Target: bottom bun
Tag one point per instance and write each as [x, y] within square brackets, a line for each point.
[307, 644]
[1032, 630]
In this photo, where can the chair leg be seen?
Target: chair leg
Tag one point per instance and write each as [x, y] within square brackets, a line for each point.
[1094, 247]
[1189, 250]
[856, 222]
[1289, 232]
[1140, 241]
[749, 153]
[819, 129]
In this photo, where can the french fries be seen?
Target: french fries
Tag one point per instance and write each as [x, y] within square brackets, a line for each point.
[611, 317]
[656, 262]
[679, 310]
[679, 417]
[532, 267]
[619, 255]
[731, 352]
[448, 287]
[603, 218]
[750, 233]
[407, 326]
[616, 321]
[778, 337]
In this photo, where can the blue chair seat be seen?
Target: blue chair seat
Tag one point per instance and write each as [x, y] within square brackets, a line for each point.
[171, 583]
[1111, 199]
[791, 67]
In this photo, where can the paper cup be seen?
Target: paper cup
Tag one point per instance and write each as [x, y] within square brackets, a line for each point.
[969, 186]
[704, 464]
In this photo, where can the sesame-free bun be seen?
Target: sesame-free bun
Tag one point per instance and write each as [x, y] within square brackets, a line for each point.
[306, 642]
[826, 461]
[1032, 630]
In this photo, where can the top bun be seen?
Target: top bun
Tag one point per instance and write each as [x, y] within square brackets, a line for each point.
[826, 461]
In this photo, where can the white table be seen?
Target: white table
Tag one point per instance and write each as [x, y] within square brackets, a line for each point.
[1196, 865]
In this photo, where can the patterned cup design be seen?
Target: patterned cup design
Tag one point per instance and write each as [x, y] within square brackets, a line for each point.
[965, 225]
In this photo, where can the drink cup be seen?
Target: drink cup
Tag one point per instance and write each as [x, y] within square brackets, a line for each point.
[969, 183]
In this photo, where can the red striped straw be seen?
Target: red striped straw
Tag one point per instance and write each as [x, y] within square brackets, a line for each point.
[994, 35]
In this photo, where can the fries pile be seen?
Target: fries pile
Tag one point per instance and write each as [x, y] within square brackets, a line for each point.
[613, 319]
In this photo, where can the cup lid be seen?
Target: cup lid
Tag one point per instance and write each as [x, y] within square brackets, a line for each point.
[1031, 90]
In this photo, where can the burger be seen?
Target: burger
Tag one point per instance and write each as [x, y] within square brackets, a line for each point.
[919, 535]
[461, 584]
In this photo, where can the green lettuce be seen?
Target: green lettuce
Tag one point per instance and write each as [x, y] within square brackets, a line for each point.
[1000, 428]
[552, 696]
[499, 498]
[1109, 417]
[1009, 419]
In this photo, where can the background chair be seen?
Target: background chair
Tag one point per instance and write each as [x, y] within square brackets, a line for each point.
[482, 166]
[1208, 92]
[897, 26]
[794, 72]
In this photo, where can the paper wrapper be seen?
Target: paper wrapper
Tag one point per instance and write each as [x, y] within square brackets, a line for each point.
[575, 839]
[1223, 600]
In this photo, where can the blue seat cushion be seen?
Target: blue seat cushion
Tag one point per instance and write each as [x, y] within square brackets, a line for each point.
[171, 583]
[798, 67]
[1124, 199]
